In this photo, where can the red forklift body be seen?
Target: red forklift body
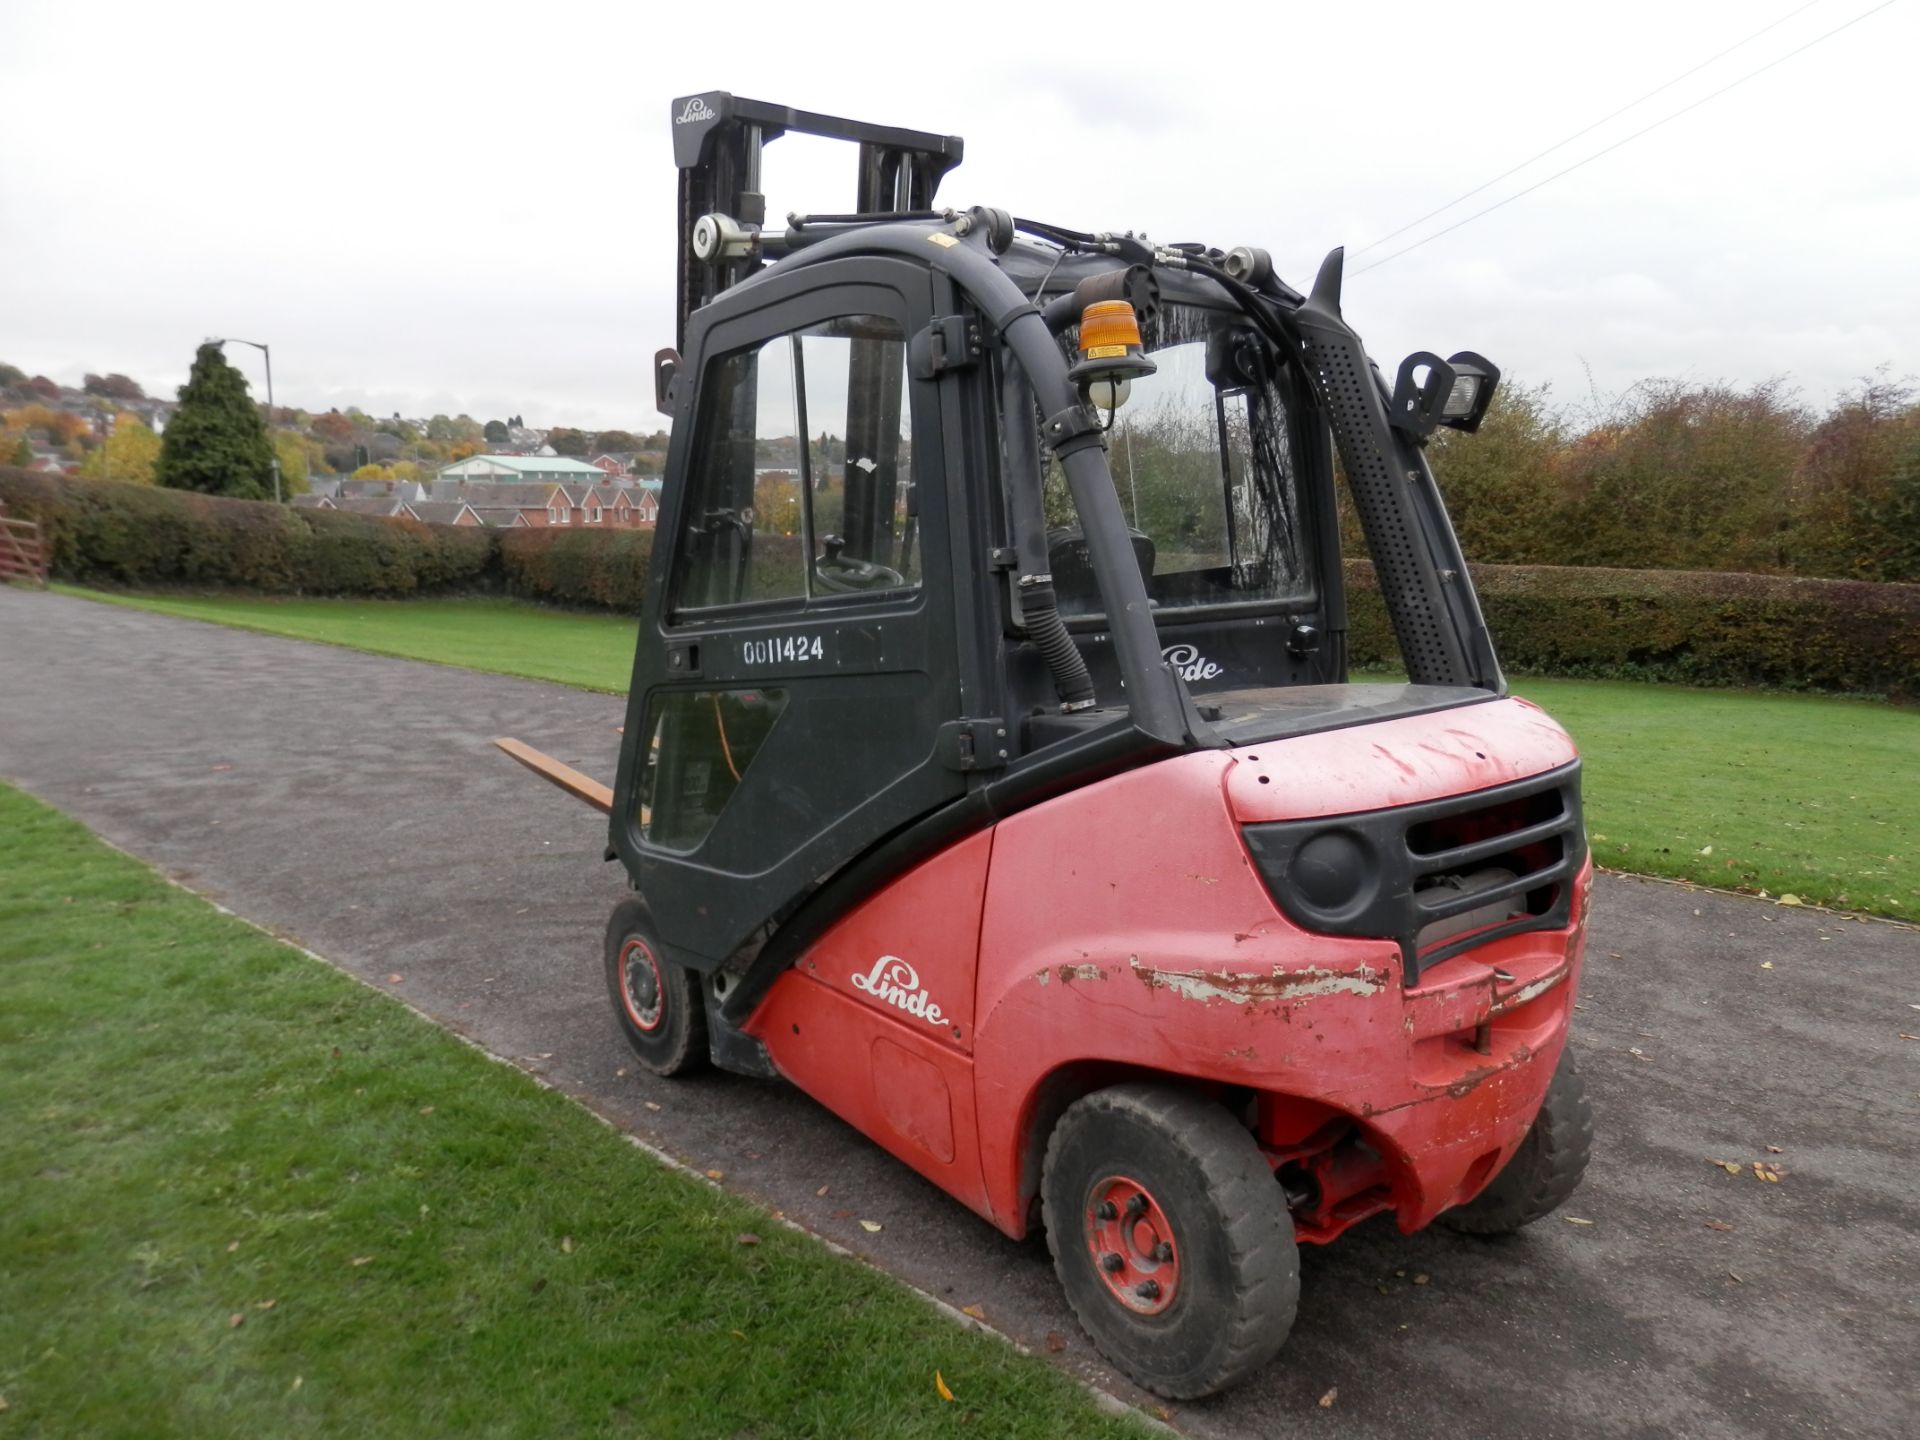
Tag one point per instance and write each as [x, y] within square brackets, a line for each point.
[1124, 929]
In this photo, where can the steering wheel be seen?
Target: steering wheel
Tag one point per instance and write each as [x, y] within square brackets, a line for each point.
[844, 575]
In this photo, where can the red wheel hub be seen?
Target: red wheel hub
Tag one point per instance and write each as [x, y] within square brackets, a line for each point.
[1132, 1244]
[643, 989]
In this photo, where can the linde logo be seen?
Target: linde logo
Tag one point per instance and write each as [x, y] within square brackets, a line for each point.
[1188, 660]
[894, 982]
[695, 112]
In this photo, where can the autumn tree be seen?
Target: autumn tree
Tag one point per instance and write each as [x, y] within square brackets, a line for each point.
[129, 453]
[11, 375]
[113, 387]
[609, 441]
[22, 452]
[216, 442]
[1502, 483]
[568, 441]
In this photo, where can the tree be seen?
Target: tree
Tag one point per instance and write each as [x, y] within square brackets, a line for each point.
[113, 387]
[608, 441]
[495, 433]
[11, 375]
[44, 388]
[568, 441]
[216, 442]
[130, 453]
[22, 452]
[295, 462]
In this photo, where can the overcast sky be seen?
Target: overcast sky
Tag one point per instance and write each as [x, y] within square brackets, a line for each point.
[470, 208]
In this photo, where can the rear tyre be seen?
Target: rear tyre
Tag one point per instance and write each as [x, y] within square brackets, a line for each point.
[1171, 1238]
[1544, 1171]
[656, 1003]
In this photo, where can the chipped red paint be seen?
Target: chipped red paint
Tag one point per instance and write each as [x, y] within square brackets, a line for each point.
[1154, 949]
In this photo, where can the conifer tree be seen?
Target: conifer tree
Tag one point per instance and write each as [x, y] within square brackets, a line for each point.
[216, 442]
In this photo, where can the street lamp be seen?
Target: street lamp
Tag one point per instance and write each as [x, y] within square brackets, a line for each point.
[261, 347]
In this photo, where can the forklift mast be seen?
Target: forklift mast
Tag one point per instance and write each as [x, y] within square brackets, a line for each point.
[718, 139]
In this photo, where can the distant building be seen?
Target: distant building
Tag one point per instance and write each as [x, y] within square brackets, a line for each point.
[515, 469]
[444, 512]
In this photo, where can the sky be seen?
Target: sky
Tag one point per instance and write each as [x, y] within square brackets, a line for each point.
[470, 208]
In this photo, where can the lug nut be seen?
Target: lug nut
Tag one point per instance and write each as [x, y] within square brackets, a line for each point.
[1163, 1252]
[1137, 1206]
[1113, 1262]
[1105, 1210]
[1148, 1289]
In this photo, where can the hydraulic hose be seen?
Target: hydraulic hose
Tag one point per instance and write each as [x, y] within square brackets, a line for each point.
[1039, 607]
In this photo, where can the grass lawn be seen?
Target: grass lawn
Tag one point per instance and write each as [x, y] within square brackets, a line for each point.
[242, 1195]
[1793, 794]
[593, 652]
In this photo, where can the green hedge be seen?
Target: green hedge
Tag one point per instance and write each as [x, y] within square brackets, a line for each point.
[112, 533]
[1691, 627]
[600, 569]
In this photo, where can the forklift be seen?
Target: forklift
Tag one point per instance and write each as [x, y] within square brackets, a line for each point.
[993, 773]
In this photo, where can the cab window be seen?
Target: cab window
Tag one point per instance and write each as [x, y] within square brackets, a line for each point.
[802, 484]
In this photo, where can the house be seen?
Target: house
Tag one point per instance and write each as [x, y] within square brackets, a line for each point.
[517, 469]
[368, 505]
[501, 503]
[444, 512]
[616, 463]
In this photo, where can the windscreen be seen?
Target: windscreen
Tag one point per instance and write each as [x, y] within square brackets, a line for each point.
[1204, 465]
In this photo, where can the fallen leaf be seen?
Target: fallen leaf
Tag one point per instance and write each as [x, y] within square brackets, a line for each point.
[738, 1334]
[216, 769]
[823, 1190]
[1735, 1278]
[748, 1239]
[393, 980]
[566, 1244]
[1905, 1036]
[1766, 964]
[1576, 1220]
[1732, 1167]
[1055, 1342]
[974, 1310]
[941, 1385]
[1772, 1174]
[716, 1174]
[233, 1246]
[426, 1109]
[651, 1106]
[1422, 1279]
[1706, 849]
[872, 1227]
[1790, 900]
[236, 1320]
[298, 1381]
[619, 1074]
[1775, 1150]
[1718, 1225]
[1163, 1412]
[1326, 1400]
[265, 1304]
[361, 1260]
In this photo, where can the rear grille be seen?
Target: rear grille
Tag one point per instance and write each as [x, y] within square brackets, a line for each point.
[1438, 877]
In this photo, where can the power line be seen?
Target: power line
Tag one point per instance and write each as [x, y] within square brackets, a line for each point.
[1562, 144]
[1712, 95]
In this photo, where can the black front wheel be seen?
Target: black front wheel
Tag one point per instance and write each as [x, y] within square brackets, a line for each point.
[657, 1004]
[1171, 1237]
[1544, 1171]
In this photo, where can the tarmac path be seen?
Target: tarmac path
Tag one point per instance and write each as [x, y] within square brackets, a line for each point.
[355, 805]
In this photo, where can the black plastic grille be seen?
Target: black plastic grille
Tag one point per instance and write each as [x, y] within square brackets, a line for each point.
[1395, 873]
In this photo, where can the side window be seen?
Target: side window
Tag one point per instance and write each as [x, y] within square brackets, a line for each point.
[802, 479]
[699, 745]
